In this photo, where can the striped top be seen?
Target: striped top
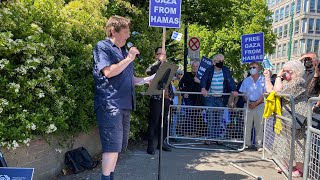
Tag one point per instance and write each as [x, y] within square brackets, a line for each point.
[217, 82]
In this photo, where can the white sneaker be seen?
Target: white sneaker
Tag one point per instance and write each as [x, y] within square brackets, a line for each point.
[260, 149]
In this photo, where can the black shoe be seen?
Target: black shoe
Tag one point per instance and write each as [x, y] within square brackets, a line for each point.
[166, 148]
[150, 151]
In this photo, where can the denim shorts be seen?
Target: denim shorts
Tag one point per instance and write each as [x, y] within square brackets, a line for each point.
[114, 128]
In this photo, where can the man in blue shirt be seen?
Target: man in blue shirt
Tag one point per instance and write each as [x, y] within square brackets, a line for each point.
[114, 97]
[254, 87]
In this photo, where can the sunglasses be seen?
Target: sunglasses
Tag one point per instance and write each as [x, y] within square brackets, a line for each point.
[307, 59]
[252, 67]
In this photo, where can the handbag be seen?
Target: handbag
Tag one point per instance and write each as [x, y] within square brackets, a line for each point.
[300, 120]
[79, 159]
[232, 101]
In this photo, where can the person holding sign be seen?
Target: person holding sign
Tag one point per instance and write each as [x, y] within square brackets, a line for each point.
[113, 63]
[254, 87]
[217, 79]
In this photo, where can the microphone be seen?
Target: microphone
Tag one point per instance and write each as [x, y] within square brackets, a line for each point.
[130, 45]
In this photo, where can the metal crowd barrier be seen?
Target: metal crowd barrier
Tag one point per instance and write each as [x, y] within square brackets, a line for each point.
[280, 146]
[192, 127]
[312, 151]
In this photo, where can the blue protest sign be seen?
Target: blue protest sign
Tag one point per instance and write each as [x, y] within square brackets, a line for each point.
[205, 63]
[165, 13]
[252, 47]
[8, 173]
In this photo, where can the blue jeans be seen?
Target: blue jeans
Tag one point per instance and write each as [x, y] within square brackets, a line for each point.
[216, 126]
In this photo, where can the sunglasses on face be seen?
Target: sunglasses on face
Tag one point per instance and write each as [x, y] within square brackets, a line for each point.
[307, 59]
[252, 67]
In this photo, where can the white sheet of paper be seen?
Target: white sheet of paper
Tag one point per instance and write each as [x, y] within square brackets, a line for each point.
[146, 80]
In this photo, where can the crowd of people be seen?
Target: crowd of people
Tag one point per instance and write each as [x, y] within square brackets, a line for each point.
[113, 101]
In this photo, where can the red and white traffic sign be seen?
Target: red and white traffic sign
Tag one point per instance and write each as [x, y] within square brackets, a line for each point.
[194, 43]
[194, 48]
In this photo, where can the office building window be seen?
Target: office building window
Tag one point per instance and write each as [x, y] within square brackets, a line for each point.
[269, 3]
[285, 30]
[292, 8]
[295, 47]
[272, 17]
[279, 51]
[280, 32]
[312, 6]
[316, 46]
[318, 26]
[318, 6]
[273, 2]
[305, 5]
[281, 13]
[304, 25]
[276, 16]
[287, 11]
[309, 45]
[284, 50]
[282, 64]
[311, 23]
[298, 6]
[302, 46]
[296, 26]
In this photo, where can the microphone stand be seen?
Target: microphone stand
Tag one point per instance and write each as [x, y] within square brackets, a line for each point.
[161, 86]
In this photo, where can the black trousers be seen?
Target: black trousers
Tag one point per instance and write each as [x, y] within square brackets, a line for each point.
[154, 119]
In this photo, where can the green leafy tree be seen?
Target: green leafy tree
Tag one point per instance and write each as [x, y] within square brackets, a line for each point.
[248, 17]
[45, 65]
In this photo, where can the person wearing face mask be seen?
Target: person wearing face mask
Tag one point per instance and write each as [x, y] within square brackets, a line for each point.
[254, 87]
[217, 79]
[310, 61]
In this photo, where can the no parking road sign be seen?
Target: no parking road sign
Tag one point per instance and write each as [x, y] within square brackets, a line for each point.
[194, 48]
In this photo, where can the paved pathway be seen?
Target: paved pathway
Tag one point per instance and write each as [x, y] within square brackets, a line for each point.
[185, 164]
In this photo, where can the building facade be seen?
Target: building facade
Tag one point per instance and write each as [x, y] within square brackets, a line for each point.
[306, 29]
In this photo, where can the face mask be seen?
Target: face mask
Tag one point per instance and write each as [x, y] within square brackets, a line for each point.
[219, 64]
[253, 71]
[308, 64]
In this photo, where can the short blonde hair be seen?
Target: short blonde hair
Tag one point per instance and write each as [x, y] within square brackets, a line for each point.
[296, 67]
[116, 23]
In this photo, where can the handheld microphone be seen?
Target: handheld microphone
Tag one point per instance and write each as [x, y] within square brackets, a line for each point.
[130, 45]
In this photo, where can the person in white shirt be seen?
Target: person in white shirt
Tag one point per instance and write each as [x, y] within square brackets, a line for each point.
[254, 87]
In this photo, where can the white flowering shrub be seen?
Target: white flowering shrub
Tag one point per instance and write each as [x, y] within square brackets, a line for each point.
[46, 84]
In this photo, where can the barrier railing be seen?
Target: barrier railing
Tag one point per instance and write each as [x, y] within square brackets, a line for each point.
[312, 150]
[279, 138]
[192, 127]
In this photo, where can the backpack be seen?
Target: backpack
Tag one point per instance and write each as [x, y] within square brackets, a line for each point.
[2, 161]
[79, 159]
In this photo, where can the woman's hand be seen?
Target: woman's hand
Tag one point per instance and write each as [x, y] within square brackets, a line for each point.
[266, 73]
